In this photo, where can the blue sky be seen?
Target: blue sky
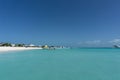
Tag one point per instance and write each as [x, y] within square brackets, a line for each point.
[69, 22]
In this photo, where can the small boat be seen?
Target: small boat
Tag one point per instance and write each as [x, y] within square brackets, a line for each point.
[116, 46]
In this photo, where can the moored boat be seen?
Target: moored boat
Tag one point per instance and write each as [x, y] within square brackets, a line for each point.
[116, 46]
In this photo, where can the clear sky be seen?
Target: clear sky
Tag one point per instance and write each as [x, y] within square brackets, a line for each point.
[78, 22]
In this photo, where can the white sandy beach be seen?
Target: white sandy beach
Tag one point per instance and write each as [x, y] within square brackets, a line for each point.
[3, 49]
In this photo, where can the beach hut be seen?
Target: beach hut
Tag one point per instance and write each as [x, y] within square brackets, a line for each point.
[13, 45]
[31, 45]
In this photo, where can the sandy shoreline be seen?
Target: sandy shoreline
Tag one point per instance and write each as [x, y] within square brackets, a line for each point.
[4, 49]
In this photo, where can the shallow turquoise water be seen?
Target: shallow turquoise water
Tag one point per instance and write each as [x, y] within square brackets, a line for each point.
[64, 64]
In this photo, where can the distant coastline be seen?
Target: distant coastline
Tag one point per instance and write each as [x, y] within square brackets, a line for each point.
[16, 47]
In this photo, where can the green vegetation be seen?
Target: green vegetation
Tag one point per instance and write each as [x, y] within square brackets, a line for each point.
[6, 44]
[12, 45]
[19, 45]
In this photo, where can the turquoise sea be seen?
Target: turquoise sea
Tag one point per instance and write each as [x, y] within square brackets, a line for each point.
[62, 64]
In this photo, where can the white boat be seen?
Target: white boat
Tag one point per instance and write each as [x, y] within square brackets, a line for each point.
[116, 46]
